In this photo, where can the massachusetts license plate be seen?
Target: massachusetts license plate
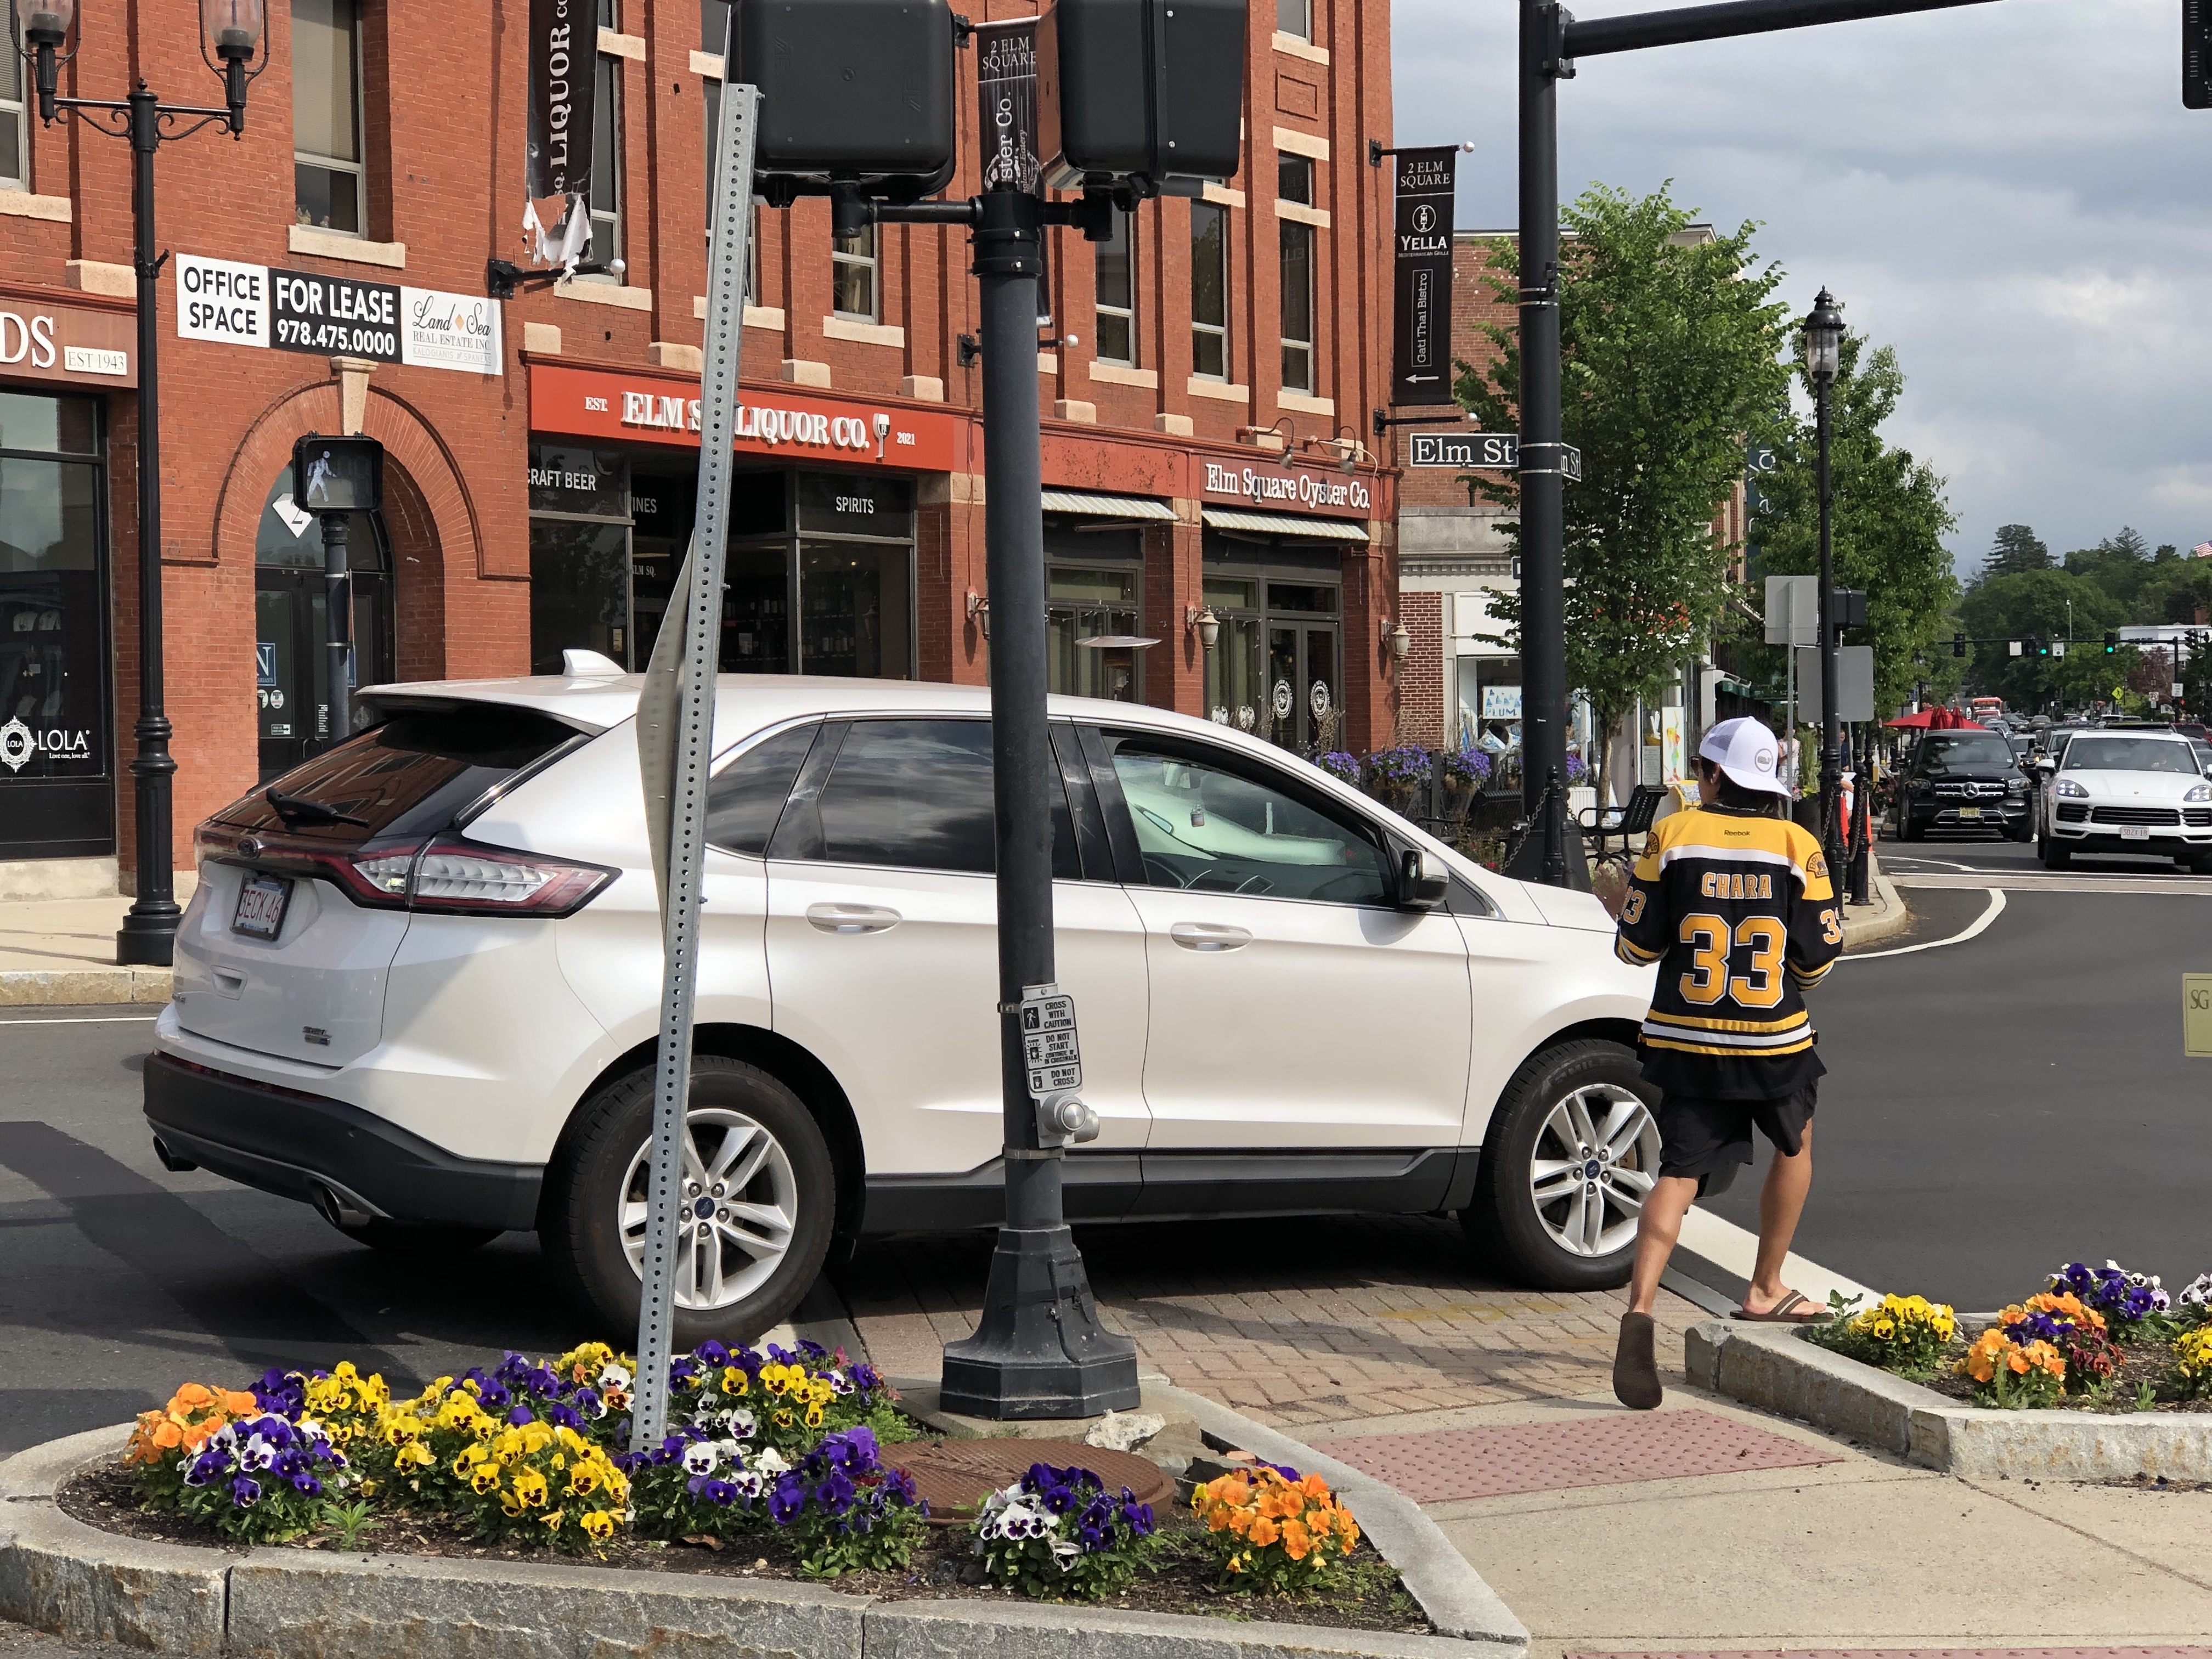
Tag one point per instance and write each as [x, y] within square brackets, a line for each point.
[2135, 832]
[1970, 813]
[261, 901]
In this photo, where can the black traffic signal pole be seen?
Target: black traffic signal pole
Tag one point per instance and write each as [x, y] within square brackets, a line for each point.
[1039, 1350]
[1551, 42]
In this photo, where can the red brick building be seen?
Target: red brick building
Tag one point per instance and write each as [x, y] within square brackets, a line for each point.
[1205, 406]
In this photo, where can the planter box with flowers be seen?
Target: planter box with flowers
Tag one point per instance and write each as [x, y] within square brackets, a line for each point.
[782, 1467]
[2101, 1375]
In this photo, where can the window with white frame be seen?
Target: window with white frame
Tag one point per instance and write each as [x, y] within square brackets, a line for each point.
[606, 192]
[1295, 183]
[1209, 291]
[330, 185]
[853, 269]
[1116, 263]
[14, 128]
[1294, 17]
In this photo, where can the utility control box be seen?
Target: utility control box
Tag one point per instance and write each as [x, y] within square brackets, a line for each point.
[857, 90]
[1149, 91]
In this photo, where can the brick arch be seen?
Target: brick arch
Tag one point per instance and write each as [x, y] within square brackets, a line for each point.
[428, 514]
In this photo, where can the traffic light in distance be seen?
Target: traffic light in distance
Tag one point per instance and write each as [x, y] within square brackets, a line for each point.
[1958, 645]
[2041, 648]
[2196, 54]
[2112, 642]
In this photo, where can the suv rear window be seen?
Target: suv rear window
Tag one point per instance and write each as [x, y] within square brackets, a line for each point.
[409, 775]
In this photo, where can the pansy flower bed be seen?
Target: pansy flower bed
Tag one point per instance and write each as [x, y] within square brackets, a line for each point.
[777, 1464]
[2096, 1339]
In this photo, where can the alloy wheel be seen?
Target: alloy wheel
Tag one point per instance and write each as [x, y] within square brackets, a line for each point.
[740, 1208]
[1593, 1164]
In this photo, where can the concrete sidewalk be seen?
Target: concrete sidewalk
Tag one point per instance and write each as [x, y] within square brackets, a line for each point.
[56, 952]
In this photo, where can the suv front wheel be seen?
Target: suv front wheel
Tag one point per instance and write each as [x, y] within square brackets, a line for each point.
[1567, 1161]
[759, 1195]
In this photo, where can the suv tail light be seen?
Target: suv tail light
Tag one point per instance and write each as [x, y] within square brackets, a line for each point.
[444, 873]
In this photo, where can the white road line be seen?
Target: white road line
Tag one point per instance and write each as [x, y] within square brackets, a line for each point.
[1995, 905]
[1737, 1249]
[2023, 882]
[1917, 858]
[89, 1019]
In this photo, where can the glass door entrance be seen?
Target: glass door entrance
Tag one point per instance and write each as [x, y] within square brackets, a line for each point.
[1276, 670]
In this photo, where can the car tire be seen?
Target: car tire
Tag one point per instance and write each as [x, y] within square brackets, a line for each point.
[419, 1240]
[2054, 856]
[2025, 831]
[1906, 829]
[1509, 1221]
[2198, 863]
[738, 1283]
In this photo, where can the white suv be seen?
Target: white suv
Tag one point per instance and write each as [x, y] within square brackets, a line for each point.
[2140, 791]
[419, 987]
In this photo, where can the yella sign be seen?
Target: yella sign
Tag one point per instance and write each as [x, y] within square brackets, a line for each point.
[66, 343]
[594, 404]
[235, 304]
[1314, 492]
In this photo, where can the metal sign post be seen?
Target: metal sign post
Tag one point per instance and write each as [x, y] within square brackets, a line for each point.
[676, 747]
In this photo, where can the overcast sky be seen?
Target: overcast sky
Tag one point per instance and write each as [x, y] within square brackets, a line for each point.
[2009, 194]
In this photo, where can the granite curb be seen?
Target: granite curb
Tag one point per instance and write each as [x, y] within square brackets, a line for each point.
[85, 987]
[1773, 1368]
[59, 1575]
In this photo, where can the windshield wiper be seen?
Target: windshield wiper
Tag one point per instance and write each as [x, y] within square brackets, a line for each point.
[300, 809]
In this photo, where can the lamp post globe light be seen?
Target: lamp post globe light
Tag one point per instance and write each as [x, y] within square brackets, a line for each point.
[1823, 354]
[230, 31]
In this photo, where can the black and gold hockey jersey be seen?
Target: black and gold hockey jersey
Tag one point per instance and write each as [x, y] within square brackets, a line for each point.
[1738, 912]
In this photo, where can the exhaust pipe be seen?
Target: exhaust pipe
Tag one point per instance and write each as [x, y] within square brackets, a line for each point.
[169, 1160]
[342, 1210]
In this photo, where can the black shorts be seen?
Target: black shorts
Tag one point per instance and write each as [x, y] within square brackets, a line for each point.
[1709, 1139]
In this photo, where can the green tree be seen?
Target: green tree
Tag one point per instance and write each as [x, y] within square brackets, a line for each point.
[1670, 353]
[2121, 565]
[2175, 591]
[2017, 548]
[1887, 523]
[2034, 604]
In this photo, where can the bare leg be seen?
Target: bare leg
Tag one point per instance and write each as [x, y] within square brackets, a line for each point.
[1657, 1229]
[1781, 1203]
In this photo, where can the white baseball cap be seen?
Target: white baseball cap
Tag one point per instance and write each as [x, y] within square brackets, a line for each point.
[1745, 750]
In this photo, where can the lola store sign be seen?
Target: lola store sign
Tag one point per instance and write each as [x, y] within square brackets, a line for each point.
[595, 403]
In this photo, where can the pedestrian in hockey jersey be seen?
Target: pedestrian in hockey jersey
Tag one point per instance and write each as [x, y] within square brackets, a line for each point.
[1734, 904]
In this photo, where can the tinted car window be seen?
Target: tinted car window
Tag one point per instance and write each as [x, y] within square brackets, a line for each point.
[747, 795]
[1212, 827]
[916, 795]
[408, 775]
[1970, 751]
[2128, 755]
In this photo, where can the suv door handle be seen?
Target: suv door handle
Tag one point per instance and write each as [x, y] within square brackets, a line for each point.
[852, 918]
[1209, 936]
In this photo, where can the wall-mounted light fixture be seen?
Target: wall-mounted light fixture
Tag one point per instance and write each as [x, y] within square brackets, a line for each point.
[979, 612]
[1201, 621]
[1396, 641]
[1285, 431]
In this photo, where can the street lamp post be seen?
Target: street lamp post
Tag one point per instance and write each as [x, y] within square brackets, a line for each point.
[232, 29]
[1824, 350]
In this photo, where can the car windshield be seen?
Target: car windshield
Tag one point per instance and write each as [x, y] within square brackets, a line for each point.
[1943, 752]
[2128, 755]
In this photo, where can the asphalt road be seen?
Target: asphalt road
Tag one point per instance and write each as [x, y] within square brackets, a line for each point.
[1997, 1106]
[1994, 1106]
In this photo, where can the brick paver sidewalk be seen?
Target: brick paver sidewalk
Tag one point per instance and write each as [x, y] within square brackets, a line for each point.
[1308, 1321]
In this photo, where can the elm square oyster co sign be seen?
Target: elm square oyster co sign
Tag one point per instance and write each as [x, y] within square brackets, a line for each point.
[247, 305]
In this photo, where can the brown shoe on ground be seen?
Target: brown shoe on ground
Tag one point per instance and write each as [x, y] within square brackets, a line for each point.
[1635, 1364]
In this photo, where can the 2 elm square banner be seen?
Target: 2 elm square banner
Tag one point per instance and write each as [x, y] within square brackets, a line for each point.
[1420, 354]
[248, 305]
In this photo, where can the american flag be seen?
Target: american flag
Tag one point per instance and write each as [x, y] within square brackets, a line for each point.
[2202, 550]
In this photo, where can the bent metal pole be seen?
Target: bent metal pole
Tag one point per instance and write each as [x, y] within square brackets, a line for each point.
[675, 749]
[1551, 40]
[1039, 1350]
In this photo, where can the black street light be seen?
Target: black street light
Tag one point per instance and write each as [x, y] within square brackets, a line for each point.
[230, 30]
[1824, 355]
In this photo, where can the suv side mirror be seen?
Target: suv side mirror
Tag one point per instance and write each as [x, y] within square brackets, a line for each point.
[1423, 880]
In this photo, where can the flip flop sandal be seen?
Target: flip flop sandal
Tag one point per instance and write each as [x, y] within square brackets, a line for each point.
[1635, 1364]
[1783, 1312]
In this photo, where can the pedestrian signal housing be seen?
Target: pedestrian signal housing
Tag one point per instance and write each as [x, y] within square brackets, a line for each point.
[858, 91]
[1958, 645]
[1150, 92]
[2196, 54]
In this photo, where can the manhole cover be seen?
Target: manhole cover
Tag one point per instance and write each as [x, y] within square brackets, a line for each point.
[955, 1475]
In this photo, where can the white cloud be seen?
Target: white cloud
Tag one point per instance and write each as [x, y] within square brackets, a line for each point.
[2011, 195]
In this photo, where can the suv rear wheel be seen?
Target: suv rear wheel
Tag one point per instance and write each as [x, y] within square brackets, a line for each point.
[1567, 1161]
[759, 1192]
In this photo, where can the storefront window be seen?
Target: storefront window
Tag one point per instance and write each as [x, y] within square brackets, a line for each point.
[1090, 622]
[580, 563]
[1276, 669]
[55, 799]
[856, 615]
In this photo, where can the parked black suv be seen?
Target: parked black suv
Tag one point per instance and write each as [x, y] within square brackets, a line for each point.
[1963, 781]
